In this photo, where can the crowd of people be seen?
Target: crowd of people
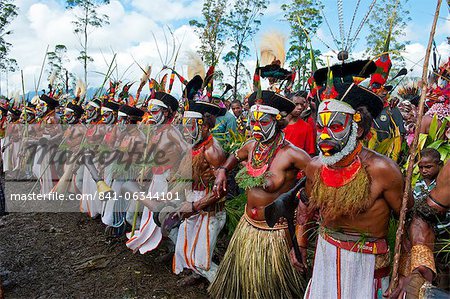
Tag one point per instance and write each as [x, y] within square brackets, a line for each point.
[210, 150]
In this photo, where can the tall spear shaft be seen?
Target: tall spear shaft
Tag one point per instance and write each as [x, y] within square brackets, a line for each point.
[412, 154]
[42, 69]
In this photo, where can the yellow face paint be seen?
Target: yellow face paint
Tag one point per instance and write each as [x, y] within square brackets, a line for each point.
[324, 136]
[256, 128]
[325, 117]
[257, 115]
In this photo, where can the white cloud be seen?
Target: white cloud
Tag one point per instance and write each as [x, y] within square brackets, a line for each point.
[132, 22]
[169, 10]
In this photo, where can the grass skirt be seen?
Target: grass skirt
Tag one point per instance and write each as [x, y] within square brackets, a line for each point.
[257, 265]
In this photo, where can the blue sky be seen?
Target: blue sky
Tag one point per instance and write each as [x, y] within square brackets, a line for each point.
[46, 22]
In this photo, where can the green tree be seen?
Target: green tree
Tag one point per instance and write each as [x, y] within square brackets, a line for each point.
[242, 22]
[8, 12]
[302, 15]
[7, 65]
[211, 30]
[86, 20]
[56, 60]
[379, 24]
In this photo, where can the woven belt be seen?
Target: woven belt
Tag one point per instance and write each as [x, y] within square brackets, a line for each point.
[262, 224]
[378, 246]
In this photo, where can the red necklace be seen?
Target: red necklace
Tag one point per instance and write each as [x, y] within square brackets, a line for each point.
[338, 177]
[198, 148]
[262, 156]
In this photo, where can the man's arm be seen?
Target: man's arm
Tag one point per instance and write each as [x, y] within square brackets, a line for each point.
[220, 185]
[421, 232]
[215, 156]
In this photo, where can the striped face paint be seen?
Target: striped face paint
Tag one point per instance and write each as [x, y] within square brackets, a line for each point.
[333, 131]
[262, 125]
[156, 113]
[41, 109]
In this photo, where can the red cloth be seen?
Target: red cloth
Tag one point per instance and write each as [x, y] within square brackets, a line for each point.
[312, 123]
[301, 135]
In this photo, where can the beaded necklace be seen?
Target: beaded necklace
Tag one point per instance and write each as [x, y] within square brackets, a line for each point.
[263, 154]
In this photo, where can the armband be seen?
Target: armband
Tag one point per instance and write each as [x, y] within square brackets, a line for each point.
[422, 255]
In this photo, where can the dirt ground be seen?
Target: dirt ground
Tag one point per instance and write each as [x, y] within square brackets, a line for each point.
[66, 255]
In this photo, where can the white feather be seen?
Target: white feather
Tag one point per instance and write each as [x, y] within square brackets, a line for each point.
[146, 74]
[80, 89]
[195, 65]
[52, 78]
[17, 101]
[272, 47]
[35, 100]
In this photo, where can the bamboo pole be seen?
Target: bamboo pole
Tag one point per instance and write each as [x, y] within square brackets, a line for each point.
[42, 70]
[412, 154]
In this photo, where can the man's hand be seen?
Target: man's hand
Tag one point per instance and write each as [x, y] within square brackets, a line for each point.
[186, 210]
[408, 287]
[220, 184]
[301, 266]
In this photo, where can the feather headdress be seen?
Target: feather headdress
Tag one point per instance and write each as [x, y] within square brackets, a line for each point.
[195, 65]
[273, 48]
[80, 89]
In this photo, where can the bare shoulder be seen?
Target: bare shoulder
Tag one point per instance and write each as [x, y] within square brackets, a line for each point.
[379, 166]
[313, 166]
[295, 152]
[247, 146]
[214, 154]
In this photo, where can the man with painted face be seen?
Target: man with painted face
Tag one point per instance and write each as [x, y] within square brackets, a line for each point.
[130, 143]
[12, 141]
[203, 213]
[115, 227]
[92, 137]
[165, 138]
[354, 191]
[73, 113]
[256, 264]
[44, 167]
[93, 112]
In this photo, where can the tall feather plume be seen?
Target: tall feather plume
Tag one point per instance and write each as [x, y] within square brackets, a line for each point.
[35, 100]
[52, 78]
[80, 89]
[17, 102]
[144, 79]
[146, 74]
[195, 65]
[273, 48]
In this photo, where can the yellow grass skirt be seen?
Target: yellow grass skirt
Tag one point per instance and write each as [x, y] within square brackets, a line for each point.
[257, 265]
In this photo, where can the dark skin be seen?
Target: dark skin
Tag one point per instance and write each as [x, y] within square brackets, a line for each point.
[300, 105]
[237, 109]
[421, 233]
[284, 167]
[386, 192]
[214, 157]
[429, 169]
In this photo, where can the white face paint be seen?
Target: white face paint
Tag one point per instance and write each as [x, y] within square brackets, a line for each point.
[157, 114]
[108, 117]
[345, 151]
[192, 129]
[263, 126]
[92, 113]
[41, 109]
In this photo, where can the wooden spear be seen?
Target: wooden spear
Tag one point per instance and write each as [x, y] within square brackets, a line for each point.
[412, 154]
